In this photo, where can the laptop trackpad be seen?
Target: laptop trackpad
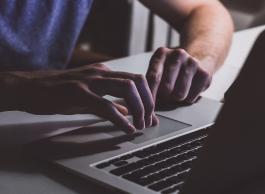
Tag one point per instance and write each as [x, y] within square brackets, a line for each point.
[165, 126]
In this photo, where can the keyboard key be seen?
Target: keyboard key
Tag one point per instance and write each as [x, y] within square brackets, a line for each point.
[196, 152]
[160, 185]
[175, 179]
[145, 162]
[125, 169]
[168, 154]
[177, 168]
[183, 139]
[120, 163]
[160, 165]
[175, 160]
[167, 172]
[178, 187]
[184, 157]
[171, 190]
[186, 165]
[187, 147]
[126, 157]
[154, 149]
[156, 158]
[167, 144]
[140, 173]
[191, 153]
[152, 168]
[103, 165]
[129, 177]
[197, 143]
[155, 177]
[144, 181]
[183, 175]
[163, 164]
[114, 160]
[177, 150]
[141, 154]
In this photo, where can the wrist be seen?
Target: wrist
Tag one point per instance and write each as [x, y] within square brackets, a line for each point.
[209, 64]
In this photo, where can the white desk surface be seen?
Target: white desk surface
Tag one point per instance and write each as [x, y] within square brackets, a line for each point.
[24, 174]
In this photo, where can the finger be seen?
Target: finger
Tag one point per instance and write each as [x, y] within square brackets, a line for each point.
[143, 90]
[105, 109]
[155, 120]
[122, 88]
[155, 70]
[200, 82]
[171, 72]
[184, 79]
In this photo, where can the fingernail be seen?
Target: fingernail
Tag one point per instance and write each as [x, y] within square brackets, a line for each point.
[155, 120]
[131, 129]
[142, 124]
[149, 121]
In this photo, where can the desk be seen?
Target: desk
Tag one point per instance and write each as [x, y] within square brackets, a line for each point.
[24, 174]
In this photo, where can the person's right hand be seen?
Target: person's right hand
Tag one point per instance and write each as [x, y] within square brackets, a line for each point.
[80, 90]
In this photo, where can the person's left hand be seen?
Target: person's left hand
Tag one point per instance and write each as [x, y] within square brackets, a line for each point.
[175, 75]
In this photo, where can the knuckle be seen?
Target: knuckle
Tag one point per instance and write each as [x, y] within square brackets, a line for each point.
[189, 71]
[192, 62]
[205, 78]
[140, 78]
[178, 55]
[154, 78]
[129, 83]
[191, 66]
[180, 52]
[95, 70]
[159, 55]
[162, 50]
[100, 65]
[166, 88]
[205, 75]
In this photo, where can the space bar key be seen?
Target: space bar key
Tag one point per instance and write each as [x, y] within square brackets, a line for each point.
[125, 169]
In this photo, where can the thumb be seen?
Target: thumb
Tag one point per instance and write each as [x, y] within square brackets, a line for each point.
[122, 109]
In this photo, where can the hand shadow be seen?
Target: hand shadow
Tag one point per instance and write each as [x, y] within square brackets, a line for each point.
[81, 142]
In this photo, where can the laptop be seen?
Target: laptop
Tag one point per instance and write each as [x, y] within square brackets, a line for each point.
[184, 153]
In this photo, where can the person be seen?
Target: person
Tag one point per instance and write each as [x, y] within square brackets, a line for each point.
[37, 38]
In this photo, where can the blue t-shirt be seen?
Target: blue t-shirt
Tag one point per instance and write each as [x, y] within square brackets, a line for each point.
[39, 35]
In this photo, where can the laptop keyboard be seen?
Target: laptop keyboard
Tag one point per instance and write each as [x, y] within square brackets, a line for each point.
[162, 167]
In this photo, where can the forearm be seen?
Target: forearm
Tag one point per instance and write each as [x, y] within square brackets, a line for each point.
[206, 34]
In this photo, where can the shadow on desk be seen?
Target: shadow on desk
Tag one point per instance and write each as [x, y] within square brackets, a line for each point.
[26, 133]
[15, 164]
[81, 142]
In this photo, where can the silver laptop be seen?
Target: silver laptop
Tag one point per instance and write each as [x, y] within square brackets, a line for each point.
[154, 160]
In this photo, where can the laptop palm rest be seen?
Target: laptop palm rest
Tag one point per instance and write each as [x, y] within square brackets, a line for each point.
[165, 127]
[100, 138]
